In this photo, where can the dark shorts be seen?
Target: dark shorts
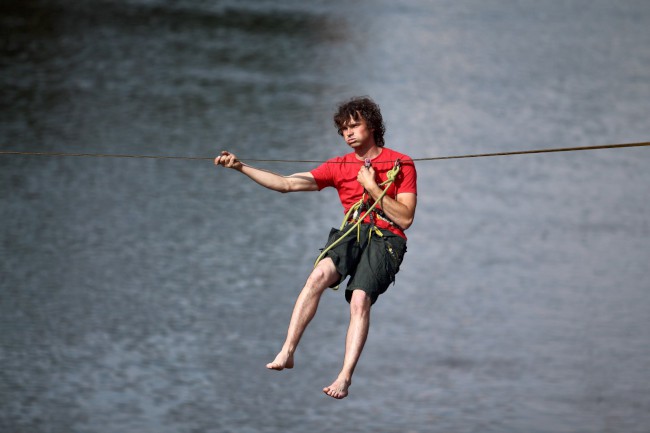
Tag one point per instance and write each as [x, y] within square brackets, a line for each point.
[371, 262]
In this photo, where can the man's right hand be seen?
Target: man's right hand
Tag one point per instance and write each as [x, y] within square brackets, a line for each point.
[228, 160]
[268, 179]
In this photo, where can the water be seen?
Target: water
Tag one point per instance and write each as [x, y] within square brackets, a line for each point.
[147, 296]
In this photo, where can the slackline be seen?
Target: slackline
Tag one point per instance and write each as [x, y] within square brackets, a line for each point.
[211, 158]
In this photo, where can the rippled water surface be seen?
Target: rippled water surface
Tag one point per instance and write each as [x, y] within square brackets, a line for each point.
[143, 295]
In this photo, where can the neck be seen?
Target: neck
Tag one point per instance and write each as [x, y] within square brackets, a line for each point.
[369, 152]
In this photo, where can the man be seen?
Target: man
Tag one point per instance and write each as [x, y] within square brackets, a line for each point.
[370, 254]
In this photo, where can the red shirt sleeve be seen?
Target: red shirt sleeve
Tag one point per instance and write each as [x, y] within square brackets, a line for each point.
[323, 174]
[408, 181]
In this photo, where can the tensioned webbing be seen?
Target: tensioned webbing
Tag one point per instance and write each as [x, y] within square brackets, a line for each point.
[210, 158]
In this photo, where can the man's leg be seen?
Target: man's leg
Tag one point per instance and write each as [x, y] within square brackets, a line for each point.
[323, 276]
[356, 338]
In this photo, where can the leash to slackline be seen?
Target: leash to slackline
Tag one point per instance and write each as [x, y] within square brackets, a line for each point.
[391, 175]
[211, 158]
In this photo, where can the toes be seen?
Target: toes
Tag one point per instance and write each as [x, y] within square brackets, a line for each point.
[274, 366]
[335, 393]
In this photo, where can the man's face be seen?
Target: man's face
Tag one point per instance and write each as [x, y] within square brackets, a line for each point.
[356, 133]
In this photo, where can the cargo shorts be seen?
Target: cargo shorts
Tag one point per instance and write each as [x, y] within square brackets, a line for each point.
[371, 261]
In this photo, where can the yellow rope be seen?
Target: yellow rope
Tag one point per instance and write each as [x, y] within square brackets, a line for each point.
[391, 175]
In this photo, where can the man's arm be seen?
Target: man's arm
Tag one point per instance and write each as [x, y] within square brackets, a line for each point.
[295, 182]
[400, 210]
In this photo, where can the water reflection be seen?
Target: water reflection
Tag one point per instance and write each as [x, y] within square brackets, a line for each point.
[182, 76]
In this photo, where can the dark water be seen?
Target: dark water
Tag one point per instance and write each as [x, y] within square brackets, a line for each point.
[147, 295]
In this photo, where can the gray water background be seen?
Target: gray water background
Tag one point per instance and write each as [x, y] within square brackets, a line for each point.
[147, 295]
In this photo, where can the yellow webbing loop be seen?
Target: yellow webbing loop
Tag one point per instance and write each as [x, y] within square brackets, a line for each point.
[391, 175]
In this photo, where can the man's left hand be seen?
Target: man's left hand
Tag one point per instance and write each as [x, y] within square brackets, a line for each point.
[366, 177]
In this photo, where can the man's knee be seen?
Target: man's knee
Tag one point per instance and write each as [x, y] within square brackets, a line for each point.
[360, 302]
[323, 275]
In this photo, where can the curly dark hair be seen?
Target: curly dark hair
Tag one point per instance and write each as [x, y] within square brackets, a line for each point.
[365, 108]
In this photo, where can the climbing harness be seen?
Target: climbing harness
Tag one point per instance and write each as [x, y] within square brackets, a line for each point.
[352, 215]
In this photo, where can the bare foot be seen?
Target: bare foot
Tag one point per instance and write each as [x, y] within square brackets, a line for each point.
[338, 389]
[282, 360]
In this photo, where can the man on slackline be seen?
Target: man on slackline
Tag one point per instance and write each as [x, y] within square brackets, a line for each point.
[370, 254]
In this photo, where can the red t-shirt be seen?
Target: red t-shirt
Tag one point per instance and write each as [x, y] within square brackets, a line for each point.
[341, 173]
